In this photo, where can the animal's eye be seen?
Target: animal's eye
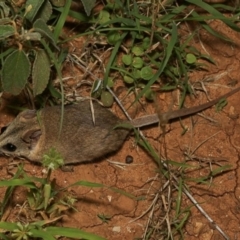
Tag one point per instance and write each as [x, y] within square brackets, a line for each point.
[3, 129]
[10, 147]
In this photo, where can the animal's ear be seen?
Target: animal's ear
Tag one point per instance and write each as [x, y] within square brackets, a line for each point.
[2, 130]
[32, 136]
[27, 115]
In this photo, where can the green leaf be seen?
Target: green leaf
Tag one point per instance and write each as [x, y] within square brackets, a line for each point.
[8, 226]
[112, 58]
[3, 237]
[114, 5]
[128, 80]
[17, 182]
[137, 62]
[45, 11]
[41, 234]
[62, 19]
[106, 99]
[88, 6]
[127, 59]
[137, 51]
[58, 3]
[6, 31]
[110, 82]
[41, 27]
[15, 72]
[221, 104]
[149, 95]
[191, 58]
[97, 88]
[54, 92]
[146, 73]
[40, 72]
[72, 233]
[167, 57]
[136, 73]
[31, 36]
[32, 7]
[104, 16]
[113, 37]
[146, 43]
[215, 14]
[52, 159]
[47, 194]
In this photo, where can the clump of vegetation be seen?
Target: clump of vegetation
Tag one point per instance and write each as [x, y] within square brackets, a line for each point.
[29, 48]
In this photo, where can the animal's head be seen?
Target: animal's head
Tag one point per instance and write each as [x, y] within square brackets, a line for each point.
[20, 137]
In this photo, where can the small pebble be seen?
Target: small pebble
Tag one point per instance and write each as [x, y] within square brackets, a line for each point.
[129, 159]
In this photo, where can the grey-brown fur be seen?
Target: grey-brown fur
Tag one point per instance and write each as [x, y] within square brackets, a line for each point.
[80, 140]
[32, 134]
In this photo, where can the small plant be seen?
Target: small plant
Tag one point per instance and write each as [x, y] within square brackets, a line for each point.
[22, 33]
[104, 218]
[29, 46]
[146, 50]
[47, 203]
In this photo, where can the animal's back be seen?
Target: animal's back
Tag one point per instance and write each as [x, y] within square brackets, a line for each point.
[80, 139]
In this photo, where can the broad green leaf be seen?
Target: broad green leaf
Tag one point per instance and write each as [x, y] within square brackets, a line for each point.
[149, 95]
[41, 234]
[146, 43]
[128, 79]
[31, 36]
[127, 59]
[6, 31]
[32, 7]
[8, 226]
[191, 58]
[58, 3]
[137, 62]
[104, 16]
[110, 82]
[146, 73]
[40, 26]
[107, 99]
[40, 72]
[15, 72]
[137, 51]
[113, 37]
[45, 11]
[136, 73]
[88, 6]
